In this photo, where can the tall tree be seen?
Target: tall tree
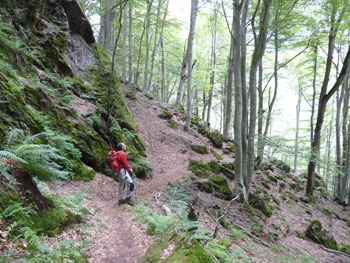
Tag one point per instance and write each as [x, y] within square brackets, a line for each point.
[258, 53]
[194, 10]
[124, 48]
[145, 71]
[324, 95]
[130, 43]
[213, 59]
[145, 23]
[105, 37]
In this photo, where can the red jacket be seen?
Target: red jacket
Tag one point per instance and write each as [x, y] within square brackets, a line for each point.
[122, 162]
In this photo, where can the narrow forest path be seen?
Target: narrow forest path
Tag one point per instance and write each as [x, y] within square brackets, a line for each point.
[116, 238]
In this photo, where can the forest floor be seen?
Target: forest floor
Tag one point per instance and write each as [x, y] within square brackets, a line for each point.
[116, 238]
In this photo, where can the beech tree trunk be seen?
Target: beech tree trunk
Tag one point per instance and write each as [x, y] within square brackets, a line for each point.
[164, 85]
[212, 61]
[229, 87]
[183, 78]
[258, 53]
[105, 38]
[124, 48]
[137, 73]
[145, 71]
[156, 41]
[194, 9]
[236, 49]
[296, 145]
[324, 98]
[130, 43]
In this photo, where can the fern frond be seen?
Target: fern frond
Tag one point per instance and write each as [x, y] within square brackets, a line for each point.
[31, 237]
[12, 156]
[7, 175]
[13, 135]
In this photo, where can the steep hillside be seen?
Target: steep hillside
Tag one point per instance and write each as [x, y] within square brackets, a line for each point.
[60, 109]
[54, 77]
[272, 228]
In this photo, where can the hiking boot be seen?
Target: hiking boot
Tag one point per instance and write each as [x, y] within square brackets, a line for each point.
[129, 201]
[120, 202]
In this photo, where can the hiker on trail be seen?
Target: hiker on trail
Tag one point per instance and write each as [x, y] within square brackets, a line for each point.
[124, 177]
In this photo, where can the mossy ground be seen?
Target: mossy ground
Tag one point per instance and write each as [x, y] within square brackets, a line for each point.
[186, 249]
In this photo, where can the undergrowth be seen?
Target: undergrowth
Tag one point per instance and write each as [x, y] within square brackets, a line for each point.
[25, 233]
[177, 199]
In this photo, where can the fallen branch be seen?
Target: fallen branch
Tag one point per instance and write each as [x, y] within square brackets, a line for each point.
[211, 254]
[336, 252]
[223, 216]
[251, 235]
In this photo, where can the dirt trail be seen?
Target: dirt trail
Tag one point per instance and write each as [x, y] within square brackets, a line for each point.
[116, 238]
[168, 150]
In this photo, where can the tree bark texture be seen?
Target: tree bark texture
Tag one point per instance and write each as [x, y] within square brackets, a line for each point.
[194, 9]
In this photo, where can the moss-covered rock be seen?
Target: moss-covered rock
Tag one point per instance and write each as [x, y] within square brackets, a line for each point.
[173, 124]
[215, 166]
[185, 248]
[216, 154]
[202, 149]
[199, 168]
[260, 204]
[131, 95]
[218, 186]
[321, 236]
[215, 138]
[227, 169]
[166, 115]
[323, 192]
[305, 199]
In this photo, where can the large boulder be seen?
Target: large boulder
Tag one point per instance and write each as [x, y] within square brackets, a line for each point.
[259, 203]
[218, 186]
[320, 235]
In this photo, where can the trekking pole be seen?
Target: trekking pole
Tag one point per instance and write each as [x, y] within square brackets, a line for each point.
[137, 200]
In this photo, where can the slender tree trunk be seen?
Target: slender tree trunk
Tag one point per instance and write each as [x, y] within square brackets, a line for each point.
[328, 147]
[236, 56]
[164, 85]
[244, 127]
[213, 60]
[145, 71]
[106, 27]
[147, 17]
[260, 114]
[124, 48]
[324, 98]
[130, 43]
[155, 48]
[296, 146]
[258, 53]
[229, 88]
[313, 94]
[272, 102]
[183, 78]
[156, 41]
[204, 99]
[343, 163]
[194, 9]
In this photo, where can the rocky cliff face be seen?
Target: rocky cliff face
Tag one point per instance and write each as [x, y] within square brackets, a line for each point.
[53, 76]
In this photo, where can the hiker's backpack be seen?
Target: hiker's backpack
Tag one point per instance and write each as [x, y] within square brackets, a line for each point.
[113, 160]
